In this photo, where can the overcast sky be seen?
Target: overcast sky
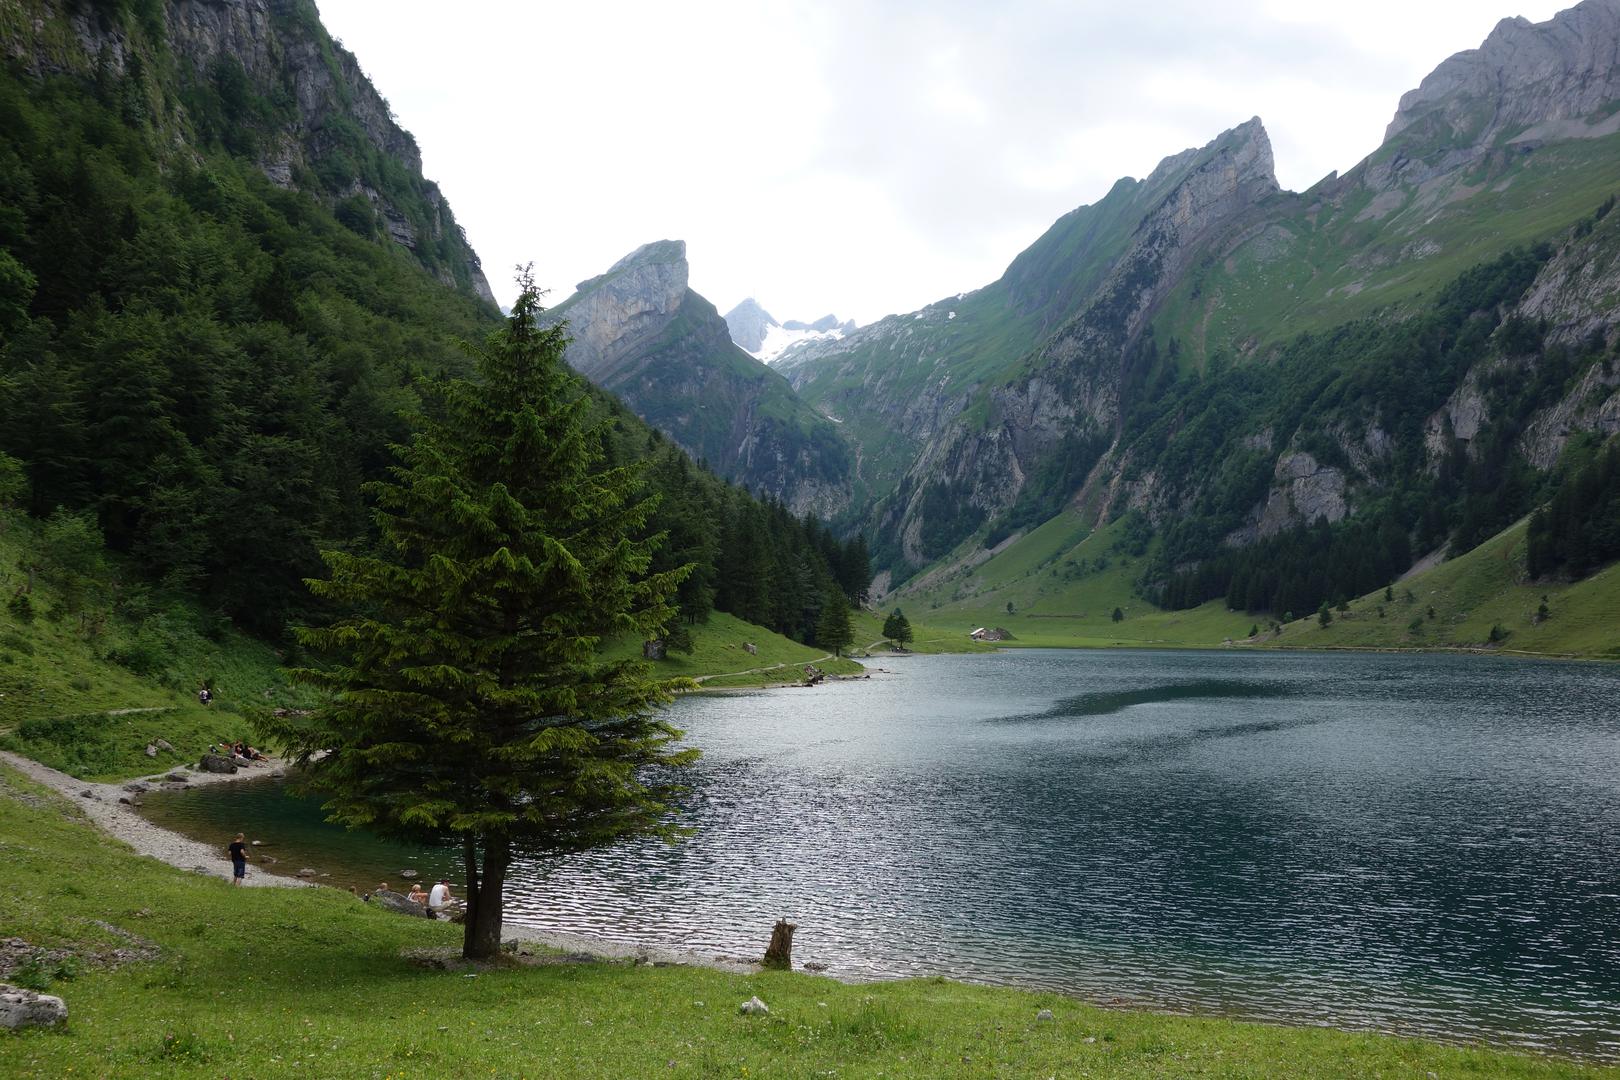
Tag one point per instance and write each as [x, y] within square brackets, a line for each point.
[862, 158]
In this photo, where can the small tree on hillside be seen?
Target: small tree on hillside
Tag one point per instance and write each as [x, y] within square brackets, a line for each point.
[833, 631]
[897, 628]
[470, 702]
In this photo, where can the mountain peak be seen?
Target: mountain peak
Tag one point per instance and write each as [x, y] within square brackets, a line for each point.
[1245, 149]
[749, 323]
[1526, 81]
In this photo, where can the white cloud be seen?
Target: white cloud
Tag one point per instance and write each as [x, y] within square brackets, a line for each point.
[860, 158]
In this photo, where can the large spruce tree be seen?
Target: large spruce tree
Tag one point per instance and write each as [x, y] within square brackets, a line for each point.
[470, 701]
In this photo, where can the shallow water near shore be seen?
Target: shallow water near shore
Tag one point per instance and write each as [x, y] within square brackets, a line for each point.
[1421, 844]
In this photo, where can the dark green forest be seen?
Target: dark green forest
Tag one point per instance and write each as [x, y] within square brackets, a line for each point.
[205, 369]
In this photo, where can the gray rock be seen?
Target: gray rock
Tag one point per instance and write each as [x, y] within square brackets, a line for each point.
[400, 904]
[21, 1008]
[407, 874]
[1045, 1017]
[177, 778]
[308, 871]
[754, 1007]
[213, 763]
[151, 750]
[164, 745]
[137, 787]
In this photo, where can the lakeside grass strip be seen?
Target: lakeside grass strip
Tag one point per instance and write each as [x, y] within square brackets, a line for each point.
[312, 983]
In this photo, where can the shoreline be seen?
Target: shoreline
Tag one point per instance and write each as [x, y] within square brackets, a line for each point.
[101, 803]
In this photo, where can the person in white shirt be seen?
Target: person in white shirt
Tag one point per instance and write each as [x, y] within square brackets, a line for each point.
[439, 895]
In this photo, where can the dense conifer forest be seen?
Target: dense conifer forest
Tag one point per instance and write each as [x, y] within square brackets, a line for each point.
[204, 369]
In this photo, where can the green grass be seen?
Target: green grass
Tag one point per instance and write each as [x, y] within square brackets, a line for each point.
[718, 659]
[1470, 595]
[65, 672]
[310, 982]
[1064, 581]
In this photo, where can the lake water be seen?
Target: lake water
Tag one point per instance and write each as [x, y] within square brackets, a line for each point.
[1422, 844]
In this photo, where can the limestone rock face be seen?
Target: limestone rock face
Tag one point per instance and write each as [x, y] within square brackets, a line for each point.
[1303, 492]
[614, 316]
[25, 1008]
[1547, 78]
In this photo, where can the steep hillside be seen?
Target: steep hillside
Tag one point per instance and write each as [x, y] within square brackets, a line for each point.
[640, 332]
[263, 80]
[1401, 353]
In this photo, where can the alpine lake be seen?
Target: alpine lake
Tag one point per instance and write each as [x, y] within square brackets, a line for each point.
[1420, 844]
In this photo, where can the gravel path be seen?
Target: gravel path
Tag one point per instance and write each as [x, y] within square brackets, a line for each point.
[123, 822]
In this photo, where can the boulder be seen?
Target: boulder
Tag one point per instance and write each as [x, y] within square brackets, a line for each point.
[754, 1007]
[399, 902]
[407, 874]
[21, 1008]
[307, 872]
[177, 778]
[1045, 1017]
[164, 745]
[151, 750]
[136, 788]
[215, 764]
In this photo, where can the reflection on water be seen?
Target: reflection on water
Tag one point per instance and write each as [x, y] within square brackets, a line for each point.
[1422, 844]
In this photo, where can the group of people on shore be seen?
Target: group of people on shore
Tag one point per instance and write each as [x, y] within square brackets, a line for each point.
[438, 900]
[239, 753]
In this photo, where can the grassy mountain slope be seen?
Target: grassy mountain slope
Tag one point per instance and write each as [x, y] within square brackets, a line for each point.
[1345, 250]
[296, 988]
[1470, 596]
[1064, 580]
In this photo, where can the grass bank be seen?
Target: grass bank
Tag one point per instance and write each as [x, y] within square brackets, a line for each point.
[300, 983]
[1479, 600]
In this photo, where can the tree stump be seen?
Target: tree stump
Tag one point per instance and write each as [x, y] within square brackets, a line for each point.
[779, 953]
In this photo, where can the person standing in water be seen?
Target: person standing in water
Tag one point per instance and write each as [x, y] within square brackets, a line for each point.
[238, 860]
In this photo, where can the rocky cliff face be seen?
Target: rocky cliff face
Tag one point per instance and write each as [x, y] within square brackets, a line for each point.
[1527, 82]
[316, 112]
[640, 332]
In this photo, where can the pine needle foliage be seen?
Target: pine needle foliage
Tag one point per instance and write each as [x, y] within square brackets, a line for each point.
[469, 699]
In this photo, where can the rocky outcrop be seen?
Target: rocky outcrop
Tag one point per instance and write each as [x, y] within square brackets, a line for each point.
[1303, 492]
[285, 56]
[1527, 82]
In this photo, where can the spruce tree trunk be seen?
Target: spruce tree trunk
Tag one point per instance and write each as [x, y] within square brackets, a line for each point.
[469, 859]
[481, 937]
